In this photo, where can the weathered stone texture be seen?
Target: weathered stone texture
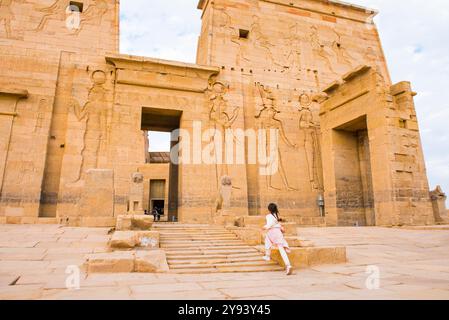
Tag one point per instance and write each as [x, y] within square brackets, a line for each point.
[74, 114]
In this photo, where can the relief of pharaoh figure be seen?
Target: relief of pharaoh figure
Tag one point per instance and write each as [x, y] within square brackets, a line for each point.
[6, 15]
[94, 114]
[308, 138]
[222, 120]
[269, 122]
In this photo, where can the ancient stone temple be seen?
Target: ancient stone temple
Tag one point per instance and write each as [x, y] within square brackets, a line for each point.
[309, 75]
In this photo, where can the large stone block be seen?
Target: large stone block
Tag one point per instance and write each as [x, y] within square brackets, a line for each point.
[132, 239]
[113, 262]
[308, 257]
[134, 222]
[123, 240]
[298, 242]
[151, 261]
[142, 222]
[147, 239]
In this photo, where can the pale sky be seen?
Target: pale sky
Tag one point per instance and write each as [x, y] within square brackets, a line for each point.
[414, 34]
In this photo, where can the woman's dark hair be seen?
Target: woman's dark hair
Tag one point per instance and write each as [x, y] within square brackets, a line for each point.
[273, 208]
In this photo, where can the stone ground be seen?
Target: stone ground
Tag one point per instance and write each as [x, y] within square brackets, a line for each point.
[413, 264]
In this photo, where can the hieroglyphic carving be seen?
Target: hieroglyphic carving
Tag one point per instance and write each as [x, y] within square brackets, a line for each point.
[40, 115]
[6, 16]
[94, 114]
[309, 139]
[222, 120]
[268, 121]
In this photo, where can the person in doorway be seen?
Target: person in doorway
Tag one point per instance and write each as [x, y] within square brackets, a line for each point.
[155, 213]
[158, 214]
[145, 212]
[275, 237]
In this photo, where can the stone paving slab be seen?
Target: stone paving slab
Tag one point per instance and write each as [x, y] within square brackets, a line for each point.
[413, 264]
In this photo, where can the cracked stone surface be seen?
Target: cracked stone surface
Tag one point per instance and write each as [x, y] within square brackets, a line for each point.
[412, 264]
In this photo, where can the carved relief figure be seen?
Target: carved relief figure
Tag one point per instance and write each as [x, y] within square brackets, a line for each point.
[267, 116]
[56, 11]
[221, 120]
[60, 8]
[319, 49]
[291, 51]
[340, 52]
[256, 41]
[94, 114]
[6, 16]
[94, 13]
[224, 22]
[309, 139]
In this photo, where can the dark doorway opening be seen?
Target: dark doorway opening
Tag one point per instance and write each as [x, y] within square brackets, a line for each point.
[355, 200]
[159, 205]
[165, 120]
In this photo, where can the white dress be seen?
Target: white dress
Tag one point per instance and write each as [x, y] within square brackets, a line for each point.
[274, 237]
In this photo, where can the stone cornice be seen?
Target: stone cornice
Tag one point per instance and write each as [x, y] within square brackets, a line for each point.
[311, 5]
[18, 93]
[163, 74]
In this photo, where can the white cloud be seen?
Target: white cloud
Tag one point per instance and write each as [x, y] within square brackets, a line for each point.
[414, 34]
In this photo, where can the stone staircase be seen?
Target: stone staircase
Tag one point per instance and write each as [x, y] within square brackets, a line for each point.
[197, 249]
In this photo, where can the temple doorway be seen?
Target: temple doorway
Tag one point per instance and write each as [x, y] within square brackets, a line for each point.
[166, 121]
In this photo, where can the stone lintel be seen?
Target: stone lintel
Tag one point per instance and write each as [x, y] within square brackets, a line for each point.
[161, 74]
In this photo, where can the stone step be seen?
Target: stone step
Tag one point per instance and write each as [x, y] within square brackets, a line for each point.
[228, 270]
[208, 247]
[212, 256]
[204, 249]
[173, 228]
[189, 243]
[191, 233]
[198, 237]
[260, 263]
[210, 251]
[213, 261]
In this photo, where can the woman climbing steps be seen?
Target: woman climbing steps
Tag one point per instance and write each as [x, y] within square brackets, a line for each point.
[275, 237]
